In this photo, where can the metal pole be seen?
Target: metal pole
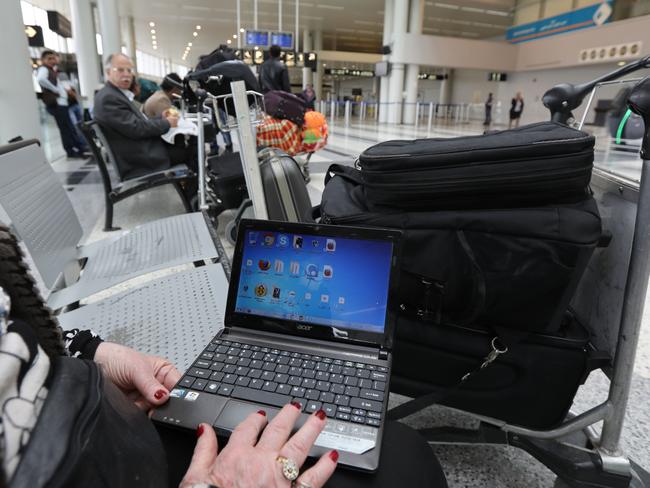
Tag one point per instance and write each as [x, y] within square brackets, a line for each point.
[417, 114]
[584, 115]
[248, 149]
[361, 109]
[347, 112]
[296, 44]
[280, 15]
[636, 288]
[377, 111]
[201, 154]
[238, 25]
[255, 14]
[332, 109]
[430, 117]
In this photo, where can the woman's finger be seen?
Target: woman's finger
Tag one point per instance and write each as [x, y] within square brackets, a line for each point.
[319, 473]
[299, 444]
[279, 429]
[205, 453]
[247, 432]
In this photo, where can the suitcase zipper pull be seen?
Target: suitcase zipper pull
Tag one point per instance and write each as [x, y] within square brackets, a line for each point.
[490, 358]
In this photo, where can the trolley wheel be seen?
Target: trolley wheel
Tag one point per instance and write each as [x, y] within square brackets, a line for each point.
[231, 232]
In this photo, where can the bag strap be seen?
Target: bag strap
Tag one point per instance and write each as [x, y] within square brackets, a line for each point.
[499, 347]
[347, 172]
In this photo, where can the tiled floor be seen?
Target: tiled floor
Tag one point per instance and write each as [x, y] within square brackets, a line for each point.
[466, 466]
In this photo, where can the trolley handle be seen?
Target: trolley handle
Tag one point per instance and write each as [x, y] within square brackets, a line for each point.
[562, 99]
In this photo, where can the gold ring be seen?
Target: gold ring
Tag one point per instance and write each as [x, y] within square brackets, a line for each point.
[289, 468]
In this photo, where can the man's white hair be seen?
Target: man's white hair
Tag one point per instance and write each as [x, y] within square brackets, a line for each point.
[108, 64]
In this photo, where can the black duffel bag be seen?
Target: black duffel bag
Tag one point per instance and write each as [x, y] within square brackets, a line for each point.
[513, 268]
[527, 166]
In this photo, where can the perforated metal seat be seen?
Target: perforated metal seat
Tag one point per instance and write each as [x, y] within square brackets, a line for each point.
[174, 317]
[44, 219]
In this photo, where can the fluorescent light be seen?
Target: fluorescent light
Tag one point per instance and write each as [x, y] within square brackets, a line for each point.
[472, 9]
[189, 44]
[234, 36]
[195, 33]
[155, 47]
[153, 37]
[446, 5]
[198, 27]
[152, 24]
[331, 7]
[497, 12]
[229, 41]
[153, 31]
[241, 29]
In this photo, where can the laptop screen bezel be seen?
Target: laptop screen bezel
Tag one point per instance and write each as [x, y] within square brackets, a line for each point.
[315, 331]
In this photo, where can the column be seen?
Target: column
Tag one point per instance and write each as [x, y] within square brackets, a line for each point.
[18, 102]
[109, 21]
[317, 46]
[307, 78]
[83, 36]
[385, 80]
[396, 91]
[416, 18]
[130, 40]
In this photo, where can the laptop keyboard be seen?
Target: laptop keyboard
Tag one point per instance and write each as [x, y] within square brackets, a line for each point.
[344, 390]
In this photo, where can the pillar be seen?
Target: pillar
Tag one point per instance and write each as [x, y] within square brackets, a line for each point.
[416, 18]
[307, 78]
[317, 45]
[83, 37]
[445, 87]
[396, 90]
[109, 21]
[18, 103]
[130, 40]
[385, 80]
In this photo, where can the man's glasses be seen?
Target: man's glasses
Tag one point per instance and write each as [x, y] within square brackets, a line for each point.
[123, 70]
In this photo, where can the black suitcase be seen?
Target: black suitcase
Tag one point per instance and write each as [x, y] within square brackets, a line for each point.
[527, 166]
[501, 268]
[226, 180]
[532, 385]
[285, 190]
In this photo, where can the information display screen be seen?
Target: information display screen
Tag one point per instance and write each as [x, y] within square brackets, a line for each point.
[257, 38]
[282, 39]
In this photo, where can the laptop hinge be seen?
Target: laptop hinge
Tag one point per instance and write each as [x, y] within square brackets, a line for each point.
[383, 354]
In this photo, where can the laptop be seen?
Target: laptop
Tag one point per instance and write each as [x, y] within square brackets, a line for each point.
[310, 317]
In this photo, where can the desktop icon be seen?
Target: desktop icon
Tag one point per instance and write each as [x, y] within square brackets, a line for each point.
[269, 239]
[341, 300]
[330, 245]
[294, 267]
[297, 242]
[325, 298]
[264, 264]
[252, 238]
[314, 243]
[279, 266]
[249, 262]
[276, 292]
[260, 290]
[283, 240]
[327, 271]
[307, 296]
[311, 271]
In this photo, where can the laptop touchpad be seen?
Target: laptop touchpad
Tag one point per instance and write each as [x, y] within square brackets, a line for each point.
[235, 412]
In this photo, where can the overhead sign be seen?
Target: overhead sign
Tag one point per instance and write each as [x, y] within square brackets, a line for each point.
[35, 35]
[583, 18]
[350, 72]
[282, 39]
[257, 38]
[59, 24]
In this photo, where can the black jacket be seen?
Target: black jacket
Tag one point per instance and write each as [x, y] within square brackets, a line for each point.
[274, 76]
[134, 139]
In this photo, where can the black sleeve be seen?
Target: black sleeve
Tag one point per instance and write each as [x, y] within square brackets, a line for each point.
[116, 114]
[81, 344]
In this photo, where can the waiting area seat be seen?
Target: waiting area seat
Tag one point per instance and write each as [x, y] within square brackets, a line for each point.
[116, 187]
[43, 217]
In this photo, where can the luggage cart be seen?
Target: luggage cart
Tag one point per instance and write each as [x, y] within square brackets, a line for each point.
[580, 455]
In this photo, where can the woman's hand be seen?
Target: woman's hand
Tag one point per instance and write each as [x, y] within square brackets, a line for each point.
[251, 461]
[145, 379]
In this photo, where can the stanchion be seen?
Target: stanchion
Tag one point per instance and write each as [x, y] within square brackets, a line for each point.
[376, 111]
[417, 114]
[348, 107]
[332, 110]
[430, 117]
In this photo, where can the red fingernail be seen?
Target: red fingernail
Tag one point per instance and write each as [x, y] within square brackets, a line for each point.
[334, 456]
[321, 415]
[159, 394]
[297, 405]
[262, 413]
[200, 429]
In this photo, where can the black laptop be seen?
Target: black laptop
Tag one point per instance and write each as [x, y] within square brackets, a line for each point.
[310, 318]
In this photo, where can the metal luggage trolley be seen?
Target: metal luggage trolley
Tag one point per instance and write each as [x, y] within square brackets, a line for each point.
[610, 301]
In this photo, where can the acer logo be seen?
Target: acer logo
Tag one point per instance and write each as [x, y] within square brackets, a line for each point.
[304, 327]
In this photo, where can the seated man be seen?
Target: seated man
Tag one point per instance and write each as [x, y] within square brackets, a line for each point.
[162, 99]
[134, 138]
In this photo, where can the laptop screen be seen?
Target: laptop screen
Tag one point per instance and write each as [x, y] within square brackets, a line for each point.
[315, 276]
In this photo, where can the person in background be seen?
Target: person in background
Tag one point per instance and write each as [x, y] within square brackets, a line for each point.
[56, 100]
[310, 97]
[162, 99]
[516, 108]
[136, 89]
[488, 110]
[273, 72]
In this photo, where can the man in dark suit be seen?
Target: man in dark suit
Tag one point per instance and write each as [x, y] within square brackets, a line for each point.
[134, 138]
[273, 73]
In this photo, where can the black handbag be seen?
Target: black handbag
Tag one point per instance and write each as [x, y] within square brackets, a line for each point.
[89, 434]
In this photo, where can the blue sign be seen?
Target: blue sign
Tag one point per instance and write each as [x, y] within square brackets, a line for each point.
[282, 39]
[591, 16]
[257, 38]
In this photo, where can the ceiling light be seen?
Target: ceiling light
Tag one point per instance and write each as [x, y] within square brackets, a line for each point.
[621, 63]
[152, 24]
[153, 31]
[234, 36]
[195, 33]
[256, 48]
[198, 27]
[241, 29]
[189, 44]
[229, 41]
[153, 36]
[155, 47]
